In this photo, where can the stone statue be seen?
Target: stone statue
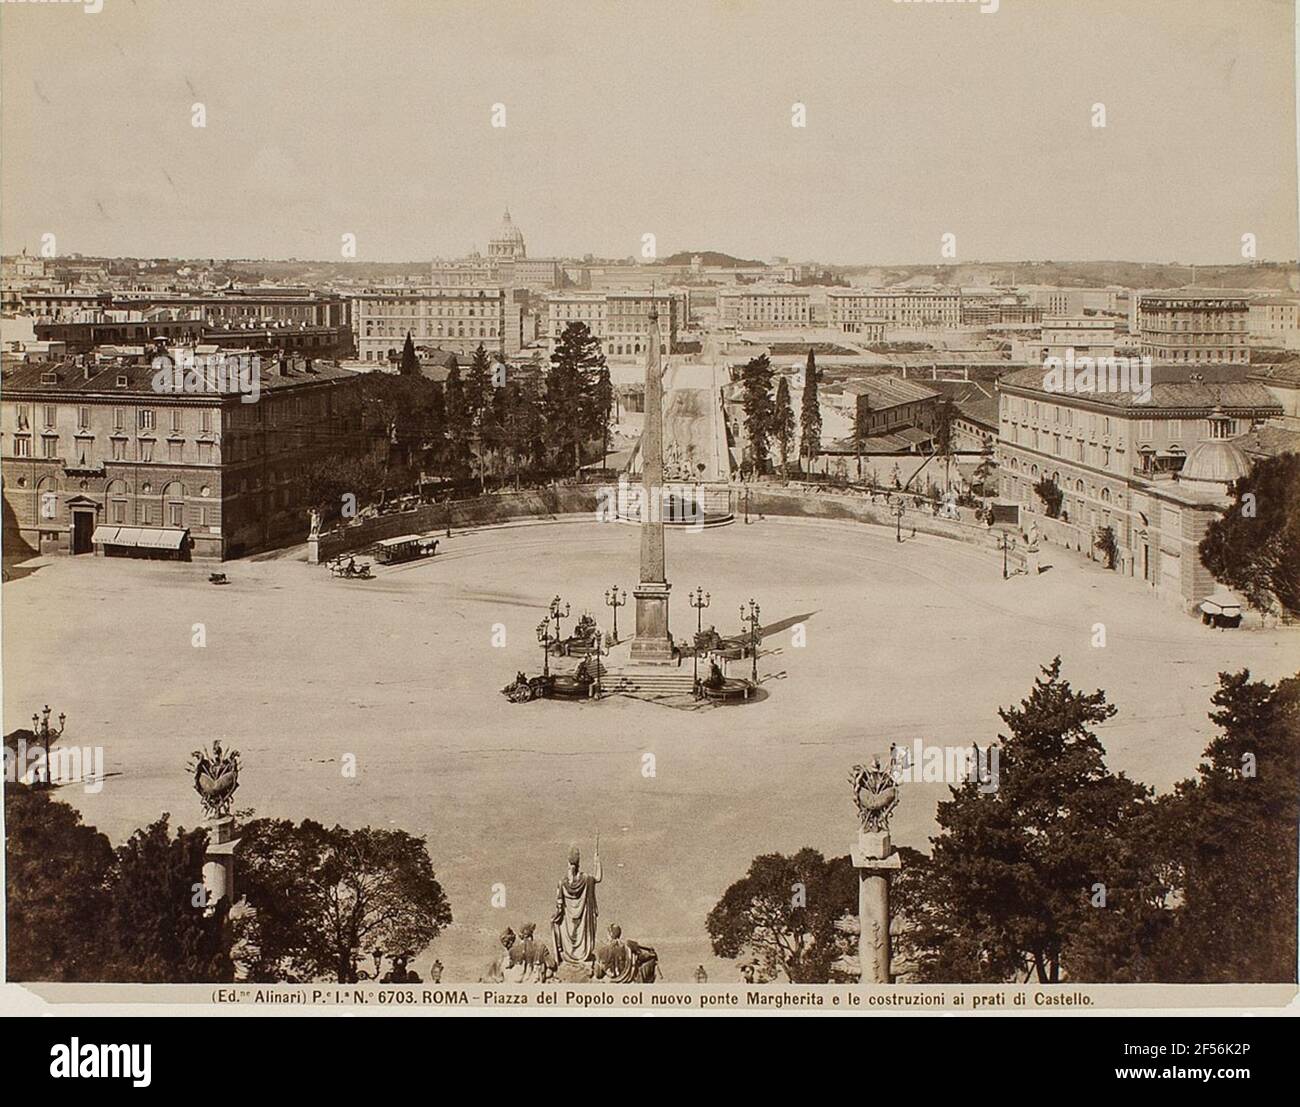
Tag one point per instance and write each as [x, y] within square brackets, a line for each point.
[876, 794]
[625, 962]
[314, 516]
[574, 922]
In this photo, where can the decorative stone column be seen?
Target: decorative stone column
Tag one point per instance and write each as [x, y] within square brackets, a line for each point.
[874, 858]
[219, 861]
[875, 792]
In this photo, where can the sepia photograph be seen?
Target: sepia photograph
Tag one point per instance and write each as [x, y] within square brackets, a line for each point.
[689, 508]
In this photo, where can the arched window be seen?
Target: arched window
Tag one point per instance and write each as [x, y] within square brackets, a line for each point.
[116, 496]
[174, 504]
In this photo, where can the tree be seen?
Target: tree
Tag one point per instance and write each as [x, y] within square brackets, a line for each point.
[756, 384]
[523, 427]
[478, 384]
[325, 896]
[1051, 496]
[162, 928]
[944, 414]
[810, 413]
[410, 364]
[57, 875]
[783, 914]
[1016, 866]
[602, 403]
[783, 422]
[1252, 547]
[572, 391]
[459, 421]
[1229, 841]
[1104, 543]
[861, 426]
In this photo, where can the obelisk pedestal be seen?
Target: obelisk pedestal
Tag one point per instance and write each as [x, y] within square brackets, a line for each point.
[653, 644]
[874, 858]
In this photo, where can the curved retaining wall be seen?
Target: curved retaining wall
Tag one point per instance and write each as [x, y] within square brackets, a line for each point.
[538, 503]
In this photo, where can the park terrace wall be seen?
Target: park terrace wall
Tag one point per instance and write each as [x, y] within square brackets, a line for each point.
[496, 507]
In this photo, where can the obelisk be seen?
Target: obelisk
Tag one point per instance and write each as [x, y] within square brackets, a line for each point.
[652, 645]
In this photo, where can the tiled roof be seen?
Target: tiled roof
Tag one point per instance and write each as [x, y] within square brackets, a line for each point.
[1269, 441]
[887, 391]
[1286, 371]
[139, 377]
[1170, 388]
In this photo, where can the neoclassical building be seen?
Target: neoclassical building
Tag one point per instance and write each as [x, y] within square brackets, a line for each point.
[1155, 473]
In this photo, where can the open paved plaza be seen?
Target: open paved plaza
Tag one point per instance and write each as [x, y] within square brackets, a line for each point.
[919, 640]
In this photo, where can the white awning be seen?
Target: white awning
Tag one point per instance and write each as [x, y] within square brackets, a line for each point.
[154, 538]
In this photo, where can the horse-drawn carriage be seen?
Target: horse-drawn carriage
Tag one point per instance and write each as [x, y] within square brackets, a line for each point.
[348, 568]
[405, 547]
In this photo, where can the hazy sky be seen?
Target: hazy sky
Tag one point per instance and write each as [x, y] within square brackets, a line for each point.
[373, 117]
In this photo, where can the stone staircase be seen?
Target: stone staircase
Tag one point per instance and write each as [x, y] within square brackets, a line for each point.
[651, 682]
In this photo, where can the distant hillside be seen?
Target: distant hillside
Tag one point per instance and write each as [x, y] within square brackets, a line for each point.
[707, 257]
[1261, 276]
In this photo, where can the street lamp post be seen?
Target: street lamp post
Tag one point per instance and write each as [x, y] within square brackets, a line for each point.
[557, 615]
[900, 509]
[699, 599]
[44, 733]
[1005, 543]
[544, 637]
[599, 639]
[752, 619]
[615, 599]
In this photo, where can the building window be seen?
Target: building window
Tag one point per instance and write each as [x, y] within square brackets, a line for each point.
[83, 418]
[22, 447]
[118, 420]
[119, 511]
[119, 449]
[146, 450]
[50, 413]
[21, 413]
[146, 418]
[49, 446]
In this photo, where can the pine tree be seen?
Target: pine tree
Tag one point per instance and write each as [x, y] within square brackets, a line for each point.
[1014, 865]
[458, 421]
[478, 384]
[783, 423]
[756, 384]
[810, 414]
[573, 404]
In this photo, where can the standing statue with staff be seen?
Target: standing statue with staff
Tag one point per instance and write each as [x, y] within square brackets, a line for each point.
[574, 921]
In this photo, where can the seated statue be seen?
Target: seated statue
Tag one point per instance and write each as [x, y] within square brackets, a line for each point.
[715, 678]
[533, 962]
[625, 962]
[583, 673]
[585, 631]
